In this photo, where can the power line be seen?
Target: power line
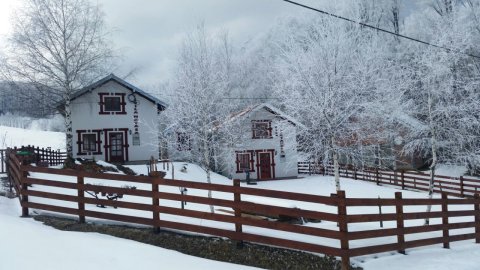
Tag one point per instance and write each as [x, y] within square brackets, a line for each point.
[381, 30]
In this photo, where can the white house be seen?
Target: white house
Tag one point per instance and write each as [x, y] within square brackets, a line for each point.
[268, 148]
[115, 121]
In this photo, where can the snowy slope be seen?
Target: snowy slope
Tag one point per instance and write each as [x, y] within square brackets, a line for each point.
[27, 244]
[10, 137]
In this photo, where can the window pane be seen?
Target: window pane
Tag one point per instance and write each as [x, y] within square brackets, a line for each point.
[112, 104]
[244, 161]
[89, 142]
[261, 130]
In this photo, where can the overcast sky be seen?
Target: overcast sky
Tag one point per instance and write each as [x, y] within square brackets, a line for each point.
[149, 32]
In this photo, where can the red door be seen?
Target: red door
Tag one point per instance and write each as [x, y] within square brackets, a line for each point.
[116, 147]
[265, 166]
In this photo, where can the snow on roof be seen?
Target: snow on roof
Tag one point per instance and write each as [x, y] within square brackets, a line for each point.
[160, 104]
[267, 107]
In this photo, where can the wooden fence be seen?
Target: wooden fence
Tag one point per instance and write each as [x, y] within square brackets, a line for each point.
[28, 188]
[37, 155]
[455, 186]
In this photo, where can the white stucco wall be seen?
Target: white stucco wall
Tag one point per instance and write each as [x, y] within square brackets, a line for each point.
[85, 116]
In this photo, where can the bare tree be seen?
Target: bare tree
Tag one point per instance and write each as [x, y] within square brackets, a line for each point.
[58, 46]
[198, 105]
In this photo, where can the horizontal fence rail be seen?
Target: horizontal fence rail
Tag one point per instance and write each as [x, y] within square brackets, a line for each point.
[66, 191]
[31, 154]
[455, 186]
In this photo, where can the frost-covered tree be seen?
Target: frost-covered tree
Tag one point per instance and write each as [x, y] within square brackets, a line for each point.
[58, 46]
[443, 92]
[198, 105]
[326, 78]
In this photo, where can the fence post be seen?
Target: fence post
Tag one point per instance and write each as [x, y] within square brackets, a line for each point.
[343, 226]
[376, 175]
[238, 212]
[403, 180]
[380, 211]
[400, 222]
[24, 198]
[446, 243]
[155, 205]
[355, 173]
[477, 218]
[81, 196]
[462, 192]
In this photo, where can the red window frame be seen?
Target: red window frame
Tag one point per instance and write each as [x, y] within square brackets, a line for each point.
[80, 142]
[89, 145]
[265, 132]
[242, 159]
[106, 100]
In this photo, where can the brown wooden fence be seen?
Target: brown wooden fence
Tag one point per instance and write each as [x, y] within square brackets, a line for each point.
[345, 240]
[37, 155]
[455, 186]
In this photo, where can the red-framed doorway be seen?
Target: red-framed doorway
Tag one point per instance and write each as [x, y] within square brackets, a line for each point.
[265, 164]
[116, 144]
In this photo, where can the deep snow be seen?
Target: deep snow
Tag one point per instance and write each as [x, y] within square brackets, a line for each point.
[30, 236]
[27, 244]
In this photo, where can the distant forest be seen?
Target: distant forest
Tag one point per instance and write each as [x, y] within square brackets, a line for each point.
[25, 100]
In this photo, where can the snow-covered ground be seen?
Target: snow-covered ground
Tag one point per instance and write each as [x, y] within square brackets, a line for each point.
[462, 255]
[11, 137]
[319, 185]
[26, 244]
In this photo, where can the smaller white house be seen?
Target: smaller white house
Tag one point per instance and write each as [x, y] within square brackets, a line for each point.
[115, 121]
[268, 148]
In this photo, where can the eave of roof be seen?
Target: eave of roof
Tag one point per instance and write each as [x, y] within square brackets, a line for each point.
[160, 104]
[270, 109]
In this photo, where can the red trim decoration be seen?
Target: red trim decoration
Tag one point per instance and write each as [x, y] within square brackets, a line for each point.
[125, 145]
[107, 102]
[85, 143]
[261, 129]
[272, 161]
[244, 161]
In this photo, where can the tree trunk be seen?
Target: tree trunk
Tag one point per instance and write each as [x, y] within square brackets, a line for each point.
[431, 184]
[336, 168]
[68, 127]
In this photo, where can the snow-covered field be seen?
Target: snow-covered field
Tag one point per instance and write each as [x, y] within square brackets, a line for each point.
[127, 254]
[319, 185]
[11, 137]
[26, 244]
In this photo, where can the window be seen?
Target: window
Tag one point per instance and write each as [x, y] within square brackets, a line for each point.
[89, 142]
[261, 129]
[244, 161]
[183, 141]
[112, 103]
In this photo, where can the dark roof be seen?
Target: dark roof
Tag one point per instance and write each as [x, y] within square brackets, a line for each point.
[160, 104]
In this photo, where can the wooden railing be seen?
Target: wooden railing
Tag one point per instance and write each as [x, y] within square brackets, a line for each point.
[455, 186]
[337, 235]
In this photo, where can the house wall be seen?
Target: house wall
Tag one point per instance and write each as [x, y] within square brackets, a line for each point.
[85, 116]
[284, 166]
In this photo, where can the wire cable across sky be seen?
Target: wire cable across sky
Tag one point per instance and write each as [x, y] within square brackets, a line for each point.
[381, 30]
